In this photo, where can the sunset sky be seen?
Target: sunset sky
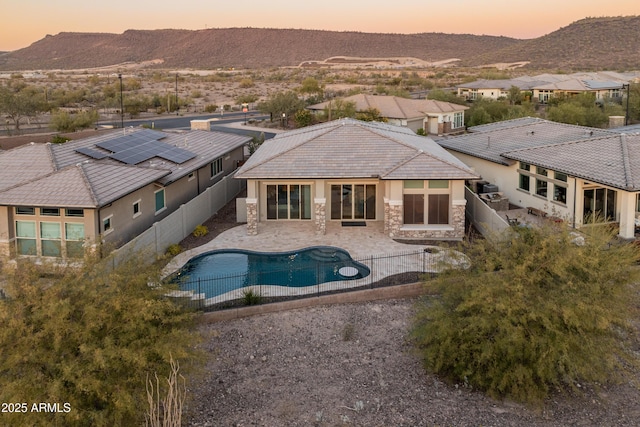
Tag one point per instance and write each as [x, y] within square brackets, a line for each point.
[28, 21]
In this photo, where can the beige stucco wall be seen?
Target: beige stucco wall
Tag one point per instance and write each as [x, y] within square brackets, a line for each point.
[6, 231]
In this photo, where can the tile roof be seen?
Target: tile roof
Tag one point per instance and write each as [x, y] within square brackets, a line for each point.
[492, 141]
[602, 156]
[394, 107]
[613, 160]
[348, 148]
[58, 175]
[23, 164]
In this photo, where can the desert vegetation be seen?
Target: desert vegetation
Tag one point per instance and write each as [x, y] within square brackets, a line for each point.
[97, 340]
[70, 101]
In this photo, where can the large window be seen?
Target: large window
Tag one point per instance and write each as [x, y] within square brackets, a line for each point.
[50, 239]
[413, 206]
[599, 205]
[74, 236]
[353, 201]
[438, 209]
[560, 190]
[541, 187]
[26, 237]
[288, 201]
[432, 201]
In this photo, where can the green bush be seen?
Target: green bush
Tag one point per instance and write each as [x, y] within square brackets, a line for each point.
[535, 312]
[88, 337]
[251, 297]
[59, 139]
[200, 231]
[174, 249]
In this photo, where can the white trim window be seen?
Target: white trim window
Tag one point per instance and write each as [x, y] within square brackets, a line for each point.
[137, 208]
[458, 120]
[216, 167]
[160, 201]
[107, 225]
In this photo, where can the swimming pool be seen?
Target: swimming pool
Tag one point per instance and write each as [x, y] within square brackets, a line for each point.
[220, 271]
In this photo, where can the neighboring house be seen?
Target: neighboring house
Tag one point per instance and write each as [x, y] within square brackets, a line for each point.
[600, 89]
[606, 84]
[58, 199]
[435, 117]
[576, 173]
[352, 171]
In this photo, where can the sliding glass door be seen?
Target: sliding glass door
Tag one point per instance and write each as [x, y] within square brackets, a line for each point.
[353, 201]
[288, 201]
[599, 205]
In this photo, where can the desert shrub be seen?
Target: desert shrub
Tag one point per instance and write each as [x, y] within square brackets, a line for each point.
[174, 249]
[210, 108]
[246, 83]
[251, 297]
[200, 231]
[88, 337]
[166, 403]
[303, 118]
[59, 139]
[535, 312]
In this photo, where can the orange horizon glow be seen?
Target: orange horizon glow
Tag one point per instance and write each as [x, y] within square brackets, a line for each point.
[31, 20]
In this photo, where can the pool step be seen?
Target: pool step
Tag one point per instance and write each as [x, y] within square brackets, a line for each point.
[323, 255]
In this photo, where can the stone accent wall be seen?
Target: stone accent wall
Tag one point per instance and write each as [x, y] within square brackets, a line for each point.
[252, 217]
[393, 218]
[320, 207]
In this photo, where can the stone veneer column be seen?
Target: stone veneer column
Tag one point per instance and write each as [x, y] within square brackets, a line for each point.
[252, 217]
[458, 218]
[394, 219]
[320, 211]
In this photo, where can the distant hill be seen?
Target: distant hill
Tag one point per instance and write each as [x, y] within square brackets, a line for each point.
[610, 43]
[589, 44]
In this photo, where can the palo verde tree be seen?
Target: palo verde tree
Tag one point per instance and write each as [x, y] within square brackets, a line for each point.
[19, 103]
[539, 311]
[282, 102]
[86, 339]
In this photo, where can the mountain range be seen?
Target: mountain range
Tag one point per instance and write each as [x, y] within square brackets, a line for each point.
[610, 43]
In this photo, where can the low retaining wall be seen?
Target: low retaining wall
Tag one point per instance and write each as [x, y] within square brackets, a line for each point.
[391, 292]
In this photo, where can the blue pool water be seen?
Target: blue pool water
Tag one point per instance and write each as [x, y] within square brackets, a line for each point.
[220, 271]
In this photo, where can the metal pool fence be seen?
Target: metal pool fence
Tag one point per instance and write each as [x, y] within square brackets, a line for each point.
[259, 287]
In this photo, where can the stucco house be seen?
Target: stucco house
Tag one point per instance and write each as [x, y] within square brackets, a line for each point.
[354, 172]
[604, 84]
[576, 173]
[57, 199]
[435, 117]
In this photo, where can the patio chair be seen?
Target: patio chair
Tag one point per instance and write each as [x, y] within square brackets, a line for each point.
[512, 221]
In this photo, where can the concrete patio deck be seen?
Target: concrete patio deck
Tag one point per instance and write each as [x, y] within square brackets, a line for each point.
[367, 244]
[360, 242]
[525, 218]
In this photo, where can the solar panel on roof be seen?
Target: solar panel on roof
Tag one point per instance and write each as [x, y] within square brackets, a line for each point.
[176, 154]
[122, 142]
[140, 146]
[95, 154]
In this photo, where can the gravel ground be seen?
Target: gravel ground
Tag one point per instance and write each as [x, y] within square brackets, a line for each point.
[351, 365]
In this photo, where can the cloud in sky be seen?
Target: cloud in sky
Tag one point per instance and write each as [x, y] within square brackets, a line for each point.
[30, 20]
